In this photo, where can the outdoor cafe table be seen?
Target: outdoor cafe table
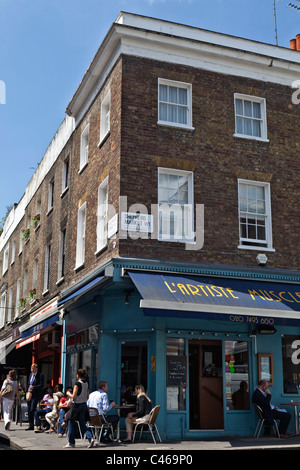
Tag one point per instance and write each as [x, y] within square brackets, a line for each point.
[119, 408]
[295, 405]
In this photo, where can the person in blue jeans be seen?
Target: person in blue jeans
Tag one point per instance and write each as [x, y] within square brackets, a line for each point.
[45, 407]
[78, 409]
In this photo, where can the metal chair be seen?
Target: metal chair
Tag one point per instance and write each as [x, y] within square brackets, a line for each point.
[261, 422]
[97, 422]
[150, 423]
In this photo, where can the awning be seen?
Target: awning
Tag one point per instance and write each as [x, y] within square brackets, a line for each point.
[217, 298]
[81, 291]
[45, 316]
[27, 341]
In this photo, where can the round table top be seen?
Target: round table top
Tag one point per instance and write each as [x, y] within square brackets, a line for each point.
[124, 406]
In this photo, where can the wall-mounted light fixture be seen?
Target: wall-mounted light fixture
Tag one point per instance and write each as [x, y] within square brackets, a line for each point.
[127, 294]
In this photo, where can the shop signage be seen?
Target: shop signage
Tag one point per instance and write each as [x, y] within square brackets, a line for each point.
[219, 295]
[135, 222]
[28, 340]
[112, 226]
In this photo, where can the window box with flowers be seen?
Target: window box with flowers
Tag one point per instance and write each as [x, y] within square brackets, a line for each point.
[35, 221]
[25, 235]
[22, 303]
[32, 294]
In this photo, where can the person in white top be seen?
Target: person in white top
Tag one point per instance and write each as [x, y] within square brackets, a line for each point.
[78, 409]
[8, 399]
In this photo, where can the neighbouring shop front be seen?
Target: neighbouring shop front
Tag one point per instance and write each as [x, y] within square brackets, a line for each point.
[42, 336]
[198, 343]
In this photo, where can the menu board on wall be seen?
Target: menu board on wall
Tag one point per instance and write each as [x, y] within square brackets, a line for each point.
[176, 371]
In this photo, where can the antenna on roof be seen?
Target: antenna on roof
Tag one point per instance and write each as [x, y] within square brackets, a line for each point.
[275, 23]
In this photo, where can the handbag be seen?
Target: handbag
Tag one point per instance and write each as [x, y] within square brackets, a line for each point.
[28, 396]
[8, 390]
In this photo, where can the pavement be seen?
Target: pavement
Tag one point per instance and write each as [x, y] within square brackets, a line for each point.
[17, 438]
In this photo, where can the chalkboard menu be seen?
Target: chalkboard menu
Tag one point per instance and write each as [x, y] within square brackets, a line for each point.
[176, 371]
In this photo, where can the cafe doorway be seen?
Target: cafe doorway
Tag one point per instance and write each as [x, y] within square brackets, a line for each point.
[134, 370]
[206, 408]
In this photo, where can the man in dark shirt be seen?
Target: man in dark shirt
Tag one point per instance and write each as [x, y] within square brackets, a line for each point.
[262, 397]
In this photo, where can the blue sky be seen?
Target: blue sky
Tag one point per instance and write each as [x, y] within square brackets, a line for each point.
[47, 45]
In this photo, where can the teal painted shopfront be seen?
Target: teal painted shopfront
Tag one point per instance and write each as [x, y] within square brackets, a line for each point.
[197, 338]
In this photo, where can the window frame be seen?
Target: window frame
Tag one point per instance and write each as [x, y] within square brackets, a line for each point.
[65, 176]
[84, 148]
[50, 195]
[102, 216]
[80, 241]
[3, 300]
[263, 111]
[105, 117]
[189, 113]
[62, 254]
[190, 205]
[5, 260]
[268, 219]
[47, 268]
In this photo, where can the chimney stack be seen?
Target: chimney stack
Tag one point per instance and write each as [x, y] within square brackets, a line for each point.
[295, 43]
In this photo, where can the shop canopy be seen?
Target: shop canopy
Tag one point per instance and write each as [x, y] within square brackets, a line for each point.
[45, 316]
[81, 291]
[217, 298]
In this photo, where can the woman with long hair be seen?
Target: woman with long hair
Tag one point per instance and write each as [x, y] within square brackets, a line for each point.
[144, 406]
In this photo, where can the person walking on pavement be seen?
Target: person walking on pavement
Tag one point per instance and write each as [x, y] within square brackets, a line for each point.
[9, 396]
[78, 409]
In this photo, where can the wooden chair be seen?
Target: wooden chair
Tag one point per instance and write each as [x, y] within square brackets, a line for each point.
[150, 423]
[97, 422]
[261, 422]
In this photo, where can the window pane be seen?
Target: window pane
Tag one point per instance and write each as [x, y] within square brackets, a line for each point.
[182, 115]
[163, 112]
[173, 94]
[290, 363]
[237, 375]
[256, 128]
[256, 110]
[248, 126]
[239, 126]
[163, 92]
[182, 96]
[239, 107]
[172, 113]
[248, 108]
[176, 396]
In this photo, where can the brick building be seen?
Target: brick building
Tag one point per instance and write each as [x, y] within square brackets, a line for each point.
[168, 235]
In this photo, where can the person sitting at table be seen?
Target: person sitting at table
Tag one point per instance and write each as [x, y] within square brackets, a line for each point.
[99, 400]
[45, 407]
[63, 408]
[262, 397]
[52, 416]
[144, 406]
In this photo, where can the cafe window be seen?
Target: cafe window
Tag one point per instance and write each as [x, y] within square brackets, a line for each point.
[237, 375]
[290, 363]
[176, 374]
[134, 359]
